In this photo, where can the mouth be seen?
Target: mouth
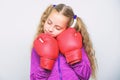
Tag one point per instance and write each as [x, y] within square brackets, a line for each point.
[49, 33]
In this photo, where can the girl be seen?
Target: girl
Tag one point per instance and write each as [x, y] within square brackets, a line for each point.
[55, 22]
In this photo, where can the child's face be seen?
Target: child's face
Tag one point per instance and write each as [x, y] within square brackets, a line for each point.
[55, 23]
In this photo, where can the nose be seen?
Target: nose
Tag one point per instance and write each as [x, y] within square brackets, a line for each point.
[51, 29]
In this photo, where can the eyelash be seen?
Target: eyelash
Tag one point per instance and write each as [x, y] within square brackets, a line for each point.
[50, 24]
[57, 28]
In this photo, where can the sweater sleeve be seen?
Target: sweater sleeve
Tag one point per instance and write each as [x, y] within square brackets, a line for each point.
[36, 72]
[83, 69]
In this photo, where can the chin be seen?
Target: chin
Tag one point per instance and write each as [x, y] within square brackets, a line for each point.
[53, 35]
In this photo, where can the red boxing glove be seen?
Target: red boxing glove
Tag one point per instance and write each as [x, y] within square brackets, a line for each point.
[70, 42]
[47, 48]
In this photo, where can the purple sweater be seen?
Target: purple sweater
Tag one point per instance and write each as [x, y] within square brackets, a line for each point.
[61, 70]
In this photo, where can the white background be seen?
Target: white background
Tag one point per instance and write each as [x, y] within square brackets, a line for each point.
[20, 18]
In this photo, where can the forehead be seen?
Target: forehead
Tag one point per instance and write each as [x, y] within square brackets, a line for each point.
[58, 18]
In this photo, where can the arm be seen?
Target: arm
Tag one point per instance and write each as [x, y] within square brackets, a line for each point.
[83, 69]
[36, 72]
[74, 52]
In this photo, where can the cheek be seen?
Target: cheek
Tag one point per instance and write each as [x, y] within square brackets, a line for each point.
[46, 26]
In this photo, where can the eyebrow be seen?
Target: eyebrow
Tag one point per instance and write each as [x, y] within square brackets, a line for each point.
[52, 22]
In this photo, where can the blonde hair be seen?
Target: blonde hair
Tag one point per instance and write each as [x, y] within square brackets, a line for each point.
[79, 26]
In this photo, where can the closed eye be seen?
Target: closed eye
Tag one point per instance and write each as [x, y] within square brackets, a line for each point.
[58, 27]
[49, 21]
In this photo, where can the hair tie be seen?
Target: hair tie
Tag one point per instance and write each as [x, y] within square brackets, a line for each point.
[54, 5]
[75, 16]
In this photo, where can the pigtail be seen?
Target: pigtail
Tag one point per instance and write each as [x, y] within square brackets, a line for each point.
[80, 26]
[43, 19]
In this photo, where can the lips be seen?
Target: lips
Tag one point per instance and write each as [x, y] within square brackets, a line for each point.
[48, 33]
